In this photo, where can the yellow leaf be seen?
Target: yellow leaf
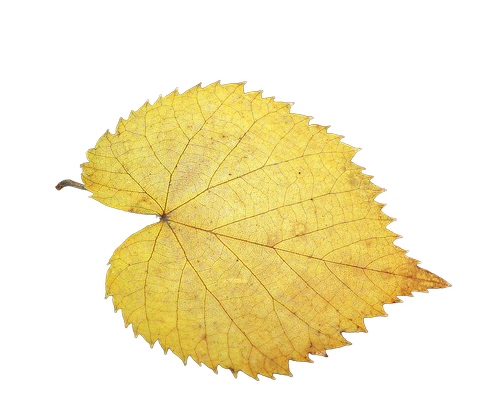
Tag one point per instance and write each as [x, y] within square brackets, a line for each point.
[269, 243]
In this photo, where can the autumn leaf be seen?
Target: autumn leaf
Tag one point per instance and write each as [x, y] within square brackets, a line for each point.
[269, 243]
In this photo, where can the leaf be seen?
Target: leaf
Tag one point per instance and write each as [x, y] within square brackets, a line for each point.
[269, 244]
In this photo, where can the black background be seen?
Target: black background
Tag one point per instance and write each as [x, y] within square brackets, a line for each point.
[398, 104]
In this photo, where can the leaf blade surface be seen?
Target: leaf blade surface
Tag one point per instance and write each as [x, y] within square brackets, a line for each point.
[270, 244]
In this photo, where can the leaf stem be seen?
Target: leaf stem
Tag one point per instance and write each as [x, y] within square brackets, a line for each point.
[72, 183]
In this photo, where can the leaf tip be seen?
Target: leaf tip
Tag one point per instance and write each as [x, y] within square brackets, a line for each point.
[440, 282]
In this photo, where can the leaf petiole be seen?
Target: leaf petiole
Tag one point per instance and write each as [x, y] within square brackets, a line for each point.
[72, 183]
